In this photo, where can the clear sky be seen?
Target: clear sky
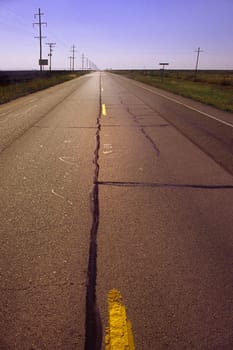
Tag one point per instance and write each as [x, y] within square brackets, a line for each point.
[119, 33]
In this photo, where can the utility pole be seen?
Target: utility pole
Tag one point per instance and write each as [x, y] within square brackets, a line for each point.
[70, 58]
[40, 35]
[83, 57]
[90, 65]
[94, 66]
[197, 61]
[87, 63]
[73, 51]
[51, 46]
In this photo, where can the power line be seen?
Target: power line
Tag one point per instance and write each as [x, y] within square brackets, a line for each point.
[51, 46]
[40, 37]
[73, 57]
[57, 38]
[83, 58]
[70, 58]
[18, 23]
[92, 66]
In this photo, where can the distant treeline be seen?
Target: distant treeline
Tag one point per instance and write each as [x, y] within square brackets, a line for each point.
[21, 83]
[11, 77]
[219, 77]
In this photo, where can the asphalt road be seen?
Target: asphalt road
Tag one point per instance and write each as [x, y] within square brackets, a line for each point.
[108, 183]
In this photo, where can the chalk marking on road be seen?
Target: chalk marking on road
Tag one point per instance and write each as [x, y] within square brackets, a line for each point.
[104, 111]
[107, 148]
[119, 333]
[32, 100]
[185, 105]
[60, 196]
[65, 160]
[67, 141]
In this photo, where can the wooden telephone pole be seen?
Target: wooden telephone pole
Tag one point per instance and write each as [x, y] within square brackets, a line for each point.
[40, 37]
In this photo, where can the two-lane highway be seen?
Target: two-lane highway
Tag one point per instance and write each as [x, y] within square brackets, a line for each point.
[105, 184]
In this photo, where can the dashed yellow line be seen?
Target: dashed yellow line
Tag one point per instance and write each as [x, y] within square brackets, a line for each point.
[119, 334]
[104, 111]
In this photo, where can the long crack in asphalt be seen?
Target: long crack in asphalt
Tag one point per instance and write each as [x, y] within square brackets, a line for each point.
[93, 336]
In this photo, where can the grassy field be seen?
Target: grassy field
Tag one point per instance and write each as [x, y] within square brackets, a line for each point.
[12, 88]
[210, 87]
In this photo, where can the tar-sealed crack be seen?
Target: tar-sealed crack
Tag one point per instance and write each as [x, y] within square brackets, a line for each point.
[224, 162]
[163, 185]
[93, 335]
[135, 118]
[155, 147]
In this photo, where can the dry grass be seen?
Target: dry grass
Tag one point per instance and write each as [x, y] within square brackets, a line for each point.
[13, 90]
[210, 87]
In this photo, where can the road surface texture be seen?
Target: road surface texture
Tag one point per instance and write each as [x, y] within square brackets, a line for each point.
[107, 183]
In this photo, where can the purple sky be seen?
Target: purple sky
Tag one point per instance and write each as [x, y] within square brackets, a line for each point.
[119, 34]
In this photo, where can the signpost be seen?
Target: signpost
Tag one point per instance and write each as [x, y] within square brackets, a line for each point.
[162, 70]
[43, 62]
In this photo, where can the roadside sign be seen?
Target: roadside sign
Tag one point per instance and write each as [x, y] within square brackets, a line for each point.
[162, 70]
[43, 62]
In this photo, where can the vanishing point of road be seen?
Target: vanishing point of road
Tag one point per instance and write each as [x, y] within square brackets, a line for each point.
[110, 186]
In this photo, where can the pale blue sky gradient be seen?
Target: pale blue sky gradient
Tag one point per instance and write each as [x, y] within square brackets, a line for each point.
[119, 34]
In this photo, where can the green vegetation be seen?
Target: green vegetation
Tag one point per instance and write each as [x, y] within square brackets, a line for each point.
[210, 87]
[11, 90]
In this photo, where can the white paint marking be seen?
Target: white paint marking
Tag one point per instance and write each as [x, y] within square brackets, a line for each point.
[32, 100]
[60, 196]
[185, 105]
[65, 160]
[56, 194]
[107, 148]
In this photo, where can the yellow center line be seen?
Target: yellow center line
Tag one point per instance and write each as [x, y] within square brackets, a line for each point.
[104, 112]
[119, 334]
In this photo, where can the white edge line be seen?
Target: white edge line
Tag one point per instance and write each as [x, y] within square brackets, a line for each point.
[187, 106]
